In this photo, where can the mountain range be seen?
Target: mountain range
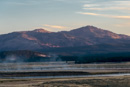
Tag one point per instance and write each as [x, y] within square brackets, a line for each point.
[82, 40]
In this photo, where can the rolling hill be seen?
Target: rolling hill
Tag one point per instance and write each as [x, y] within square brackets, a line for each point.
[43, 40]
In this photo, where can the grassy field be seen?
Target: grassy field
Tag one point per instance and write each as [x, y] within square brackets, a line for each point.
[59, 68]
[117, 81]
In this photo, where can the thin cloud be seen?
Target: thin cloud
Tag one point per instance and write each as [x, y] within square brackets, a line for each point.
[87, 13]
[90, 5]
[54, 26]
[109, 5]
[128, 34]
[118, 5]
[104, 15]
[110, 8]
[115, 7]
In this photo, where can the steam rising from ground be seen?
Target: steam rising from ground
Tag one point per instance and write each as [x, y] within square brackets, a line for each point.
[15, 63]
[11, 62]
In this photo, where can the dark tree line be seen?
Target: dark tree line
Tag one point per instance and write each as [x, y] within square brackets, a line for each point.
[30, 56]
[99, 58]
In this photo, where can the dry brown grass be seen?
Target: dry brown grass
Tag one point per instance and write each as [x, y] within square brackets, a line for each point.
[90, 82]
[117, 81]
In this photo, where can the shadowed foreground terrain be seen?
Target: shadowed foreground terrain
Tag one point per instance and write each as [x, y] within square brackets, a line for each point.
[117, 81]
[35, 74]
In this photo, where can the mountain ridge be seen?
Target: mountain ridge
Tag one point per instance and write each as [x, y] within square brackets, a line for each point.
[43, 39]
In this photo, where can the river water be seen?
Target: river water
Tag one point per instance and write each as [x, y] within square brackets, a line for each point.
[74, 76]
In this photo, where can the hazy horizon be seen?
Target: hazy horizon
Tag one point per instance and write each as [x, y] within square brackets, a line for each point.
[61, 15]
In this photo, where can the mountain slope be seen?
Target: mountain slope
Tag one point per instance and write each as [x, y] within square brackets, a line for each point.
[40, 39]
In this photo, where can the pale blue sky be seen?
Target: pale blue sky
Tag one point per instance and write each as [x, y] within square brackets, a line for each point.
[57, 15]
